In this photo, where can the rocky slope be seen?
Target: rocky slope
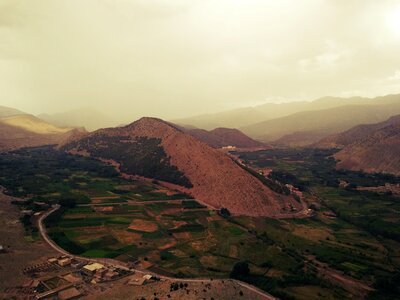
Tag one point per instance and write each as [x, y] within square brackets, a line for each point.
[373, 148]
[223, 137]
[357, 133]
[212, 176]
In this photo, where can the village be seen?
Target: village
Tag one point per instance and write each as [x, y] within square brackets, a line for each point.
[66, 277]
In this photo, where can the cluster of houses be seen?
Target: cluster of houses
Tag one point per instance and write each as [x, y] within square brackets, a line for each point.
[93, 271]
[101, 273]
[39, 206]
[72, 274]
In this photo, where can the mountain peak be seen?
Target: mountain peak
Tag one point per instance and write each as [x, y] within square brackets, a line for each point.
[152, 121]
[150, 126]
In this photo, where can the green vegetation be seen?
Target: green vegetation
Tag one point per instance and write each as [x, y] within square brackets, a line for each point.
[276, 187]
[352, 232]
[361, 238]
[240, 269]
[224, 212]
[142, 156]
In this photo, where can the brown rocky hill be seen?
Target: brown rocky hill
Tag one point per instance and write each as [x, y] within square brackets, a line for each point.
[156, 149]
[24, 130]
[223, 137]
[373, 150]
[357, 133]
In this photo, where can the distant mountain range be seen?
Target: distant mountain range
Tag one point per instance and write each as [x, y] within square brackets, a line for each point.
[316, 125]
[300, 123]
[157, 149]
[243, 117]
[91, 119]
[18, 129]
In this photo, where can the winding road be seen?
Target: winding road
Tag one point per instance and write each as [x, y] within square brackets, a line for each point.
[121, 265]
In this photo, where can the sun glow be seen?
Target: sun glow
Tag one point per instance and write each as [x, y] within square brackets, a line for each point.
[393, 20]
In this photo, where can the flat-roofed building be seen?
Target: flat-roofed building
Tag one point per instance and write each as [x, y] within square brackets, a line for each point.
[92, 268]
[52, 260]
[63, 262]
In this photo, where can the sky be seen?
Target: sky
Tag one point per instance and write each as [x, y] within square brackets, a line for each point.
[177, 58]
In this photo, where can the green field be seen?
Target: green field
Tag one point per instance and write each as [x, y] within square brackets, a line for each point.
[363, 239]
[352, 232]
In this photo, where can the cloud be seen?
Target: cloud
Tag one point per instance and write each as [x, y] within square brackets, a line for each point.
[176, 58]
[395, 76]
[333, 56]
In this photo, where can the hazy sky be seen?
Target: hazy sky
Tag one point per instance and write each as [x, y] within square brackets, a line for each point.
[173, 58]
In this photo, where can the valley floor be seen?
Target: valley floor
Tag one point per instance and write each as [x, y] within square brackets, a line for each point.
[342, 251]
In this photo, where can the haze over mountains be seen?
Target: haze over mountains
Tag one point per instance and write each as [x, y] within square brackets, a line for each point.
[18, 129]
[242, 117]
[89, 118]
[9, 111]
[301, 123]
[318, 124]
[364, 128]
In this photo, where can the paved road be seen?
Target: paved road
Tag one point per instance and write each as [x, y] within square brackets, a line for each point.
[121, 265]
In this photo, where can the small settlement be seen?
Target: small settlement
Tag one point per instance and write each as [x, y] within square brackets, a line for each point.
[66, 277]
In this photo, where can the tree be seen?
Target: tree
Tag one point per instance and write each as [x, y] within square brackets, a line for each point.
[67, 202]
[240, 269]
[224, 212]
